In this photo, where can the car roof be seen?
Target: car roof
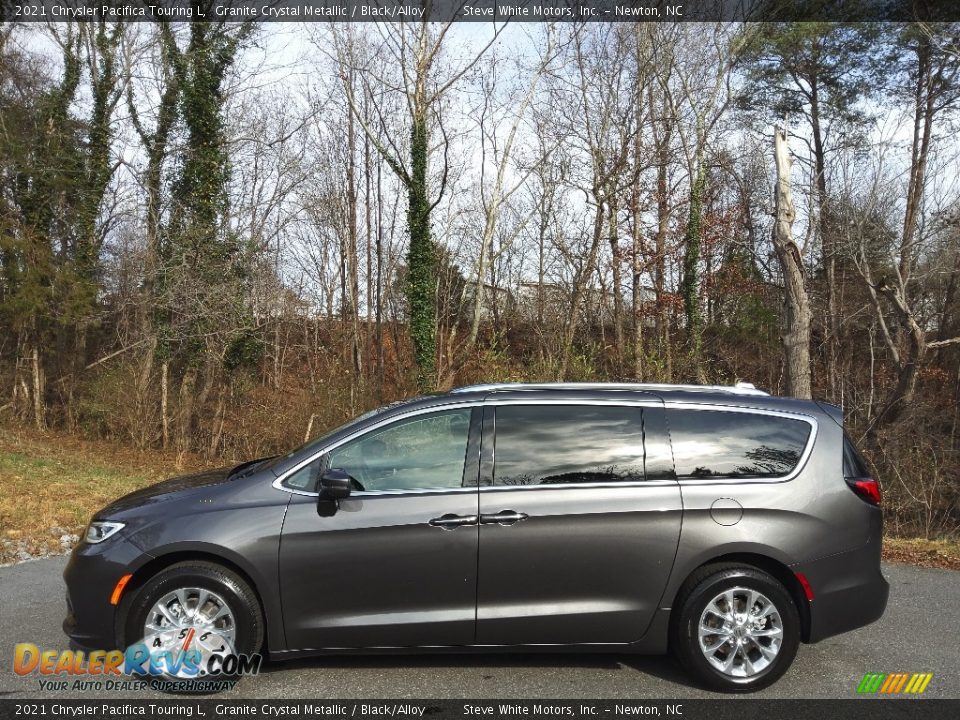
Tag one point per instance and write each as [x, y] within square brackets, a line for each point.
[740, 388]
[743, 395]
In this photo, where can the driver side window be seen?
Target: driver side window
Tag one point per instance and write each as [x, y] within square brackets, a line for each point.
[421, 453]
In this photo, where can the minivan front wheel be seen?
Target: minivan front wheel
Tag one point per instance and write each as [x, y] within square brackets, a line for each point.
[738, 629]
[199, 606]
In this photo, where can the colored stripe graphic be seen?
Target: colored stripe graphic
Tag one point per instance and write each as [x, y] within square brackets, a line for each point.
[927, 677]
[894, 683]
[889, 682]
[871, 682]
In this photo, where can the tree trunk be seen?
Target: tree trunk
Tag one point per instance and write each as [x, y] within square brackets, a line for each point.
[368, 216]
[827, 241]
[379, 288]
[541, 275]
[690, 282]
[164, 413]
[796, 338]
[421, 259]
[637, 288]
[908, 361]
[353, 259]
[145, 428]
[185, 411]
[617, 281]
[39, 390]
[660, 265]
[219, 418]
[580, 282]
[902, 394]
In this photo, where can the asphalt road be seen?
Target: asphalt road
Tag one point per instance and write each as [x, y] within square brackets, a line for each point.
[918, 633]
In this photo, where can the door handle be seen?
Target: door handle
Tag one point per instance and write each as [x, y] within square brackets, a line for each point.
[451, 521]
[504, 517]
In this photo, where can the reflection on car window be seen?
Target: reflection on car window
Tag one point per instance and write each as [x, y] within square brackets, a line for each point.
[708, 444]
[424, 452]
[305, 478]
[307, 448]
[563, 444]
[853, 464]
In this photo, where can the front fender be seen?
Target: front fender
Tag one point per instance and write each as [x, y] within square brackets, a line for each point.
[245, 535]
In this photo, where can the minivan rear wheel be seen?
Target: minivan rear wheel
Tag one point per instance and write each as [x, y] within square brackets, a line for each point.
[737, 628]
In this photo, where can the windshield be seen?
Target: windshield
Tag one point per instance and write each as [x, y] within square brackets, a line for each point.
[308, 447]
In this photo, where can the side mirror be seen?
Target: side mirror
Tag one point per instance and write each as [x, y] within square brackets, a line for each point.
[335, 484]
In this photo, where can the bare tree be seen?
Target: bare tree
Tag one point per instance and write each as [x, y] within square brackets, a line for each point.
[495, 194]
[697, 91]
[796, 338]
[932, 85]
[597, 114]
[416, 49]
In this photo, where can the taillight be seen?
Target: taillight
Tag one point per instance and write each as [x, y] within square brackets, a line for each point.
[867, 489]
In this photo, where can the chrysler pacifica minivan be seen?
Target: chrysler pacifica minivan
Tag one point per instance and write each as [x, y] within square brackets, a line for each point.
[718, 523]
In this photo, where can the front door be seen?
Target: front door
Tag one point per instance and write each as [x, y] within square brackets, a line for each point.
[395, 565]
[579, 523]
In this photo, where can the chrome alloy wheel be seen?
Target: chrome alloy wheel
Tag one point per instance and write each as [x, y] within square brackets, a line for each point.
[740, 632]
[186, 619]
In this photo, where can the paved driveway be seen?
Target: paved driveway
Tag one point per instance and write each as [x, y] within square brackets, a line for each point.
[919, 633]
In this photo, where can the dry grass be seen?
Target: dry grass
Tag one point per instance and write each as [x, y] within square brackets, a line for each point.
[942, 553]
[50, 485]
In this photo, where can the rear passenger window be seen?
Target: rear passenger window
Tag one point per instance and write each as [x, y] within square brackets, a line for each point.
[718, 444]
[564, 444]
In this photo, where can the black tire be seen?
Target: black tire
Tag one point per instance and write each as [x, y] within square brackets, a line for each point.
[234, 590]
[699, 590]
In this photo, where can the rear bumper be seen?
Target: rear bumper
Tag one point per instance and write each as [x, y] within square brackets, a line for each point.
[849, 591]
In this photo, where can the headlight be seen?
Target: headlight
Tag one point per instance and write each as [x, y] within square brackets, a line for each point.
[100, 530]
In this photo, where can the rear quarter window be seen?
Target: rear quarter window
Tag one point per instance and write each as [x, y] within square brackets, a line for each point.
[728, 444]
[853, 463]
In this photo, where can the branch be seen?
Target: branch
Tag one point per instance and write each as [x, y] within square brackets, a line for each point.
[941, 343]
[446, 163]
[392, 161]
[104, 359]
[439, 92]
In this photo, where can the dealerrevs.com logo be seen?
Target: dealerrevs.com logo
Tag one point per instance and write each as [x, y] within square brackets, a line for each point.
[207, 665]
[898, 683]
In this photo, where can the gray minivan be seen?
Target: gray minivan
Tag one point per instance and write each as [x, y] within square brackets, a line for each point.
[719, 523]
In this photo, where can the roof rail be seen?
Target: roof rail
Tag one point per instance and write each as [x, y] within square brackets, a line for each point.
[741, 388]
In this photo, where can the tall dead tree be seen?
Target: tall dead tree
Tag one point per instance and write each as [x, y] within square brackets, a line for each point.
[796, 338]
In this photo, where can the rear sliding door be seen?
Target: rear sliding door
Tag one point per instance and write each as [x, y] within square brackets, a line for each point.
[579, 522]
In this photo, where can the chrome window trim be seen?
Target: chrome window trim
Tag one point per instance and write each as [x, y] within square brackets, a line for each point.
[801, 463]
[624, 401]
[740, 388]
[278, 483]
[560, 486]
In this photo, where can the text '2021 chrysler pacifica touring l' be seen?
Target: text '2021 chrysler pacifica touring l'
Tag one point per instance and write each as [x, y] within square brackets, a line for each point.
[719, 523]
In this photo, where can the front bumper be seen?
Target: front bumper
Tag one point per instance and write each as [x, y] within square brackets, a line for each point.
[90, 576]
[849, 591]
